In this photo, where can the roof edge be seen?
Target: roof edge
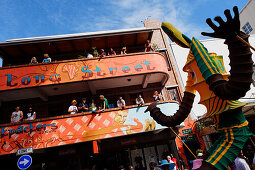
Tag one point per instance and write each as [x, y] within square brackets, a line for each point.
[76, 35]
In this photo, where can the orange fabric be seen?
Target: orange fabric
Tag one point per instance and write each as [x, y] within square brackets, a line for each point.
[95, 147]
[66, 72]
[66, 131]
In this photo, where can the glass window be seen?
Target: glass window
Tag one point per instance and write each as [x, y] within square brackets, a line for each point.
[173, 94]
[247, 28]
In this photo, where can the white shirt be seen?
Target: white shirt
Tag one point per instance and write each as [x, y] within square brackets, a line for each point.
[31, 116]
[174, 166]
[73, 109]
[139, 101]
[89, 56]
[121, 103]
[241, 164]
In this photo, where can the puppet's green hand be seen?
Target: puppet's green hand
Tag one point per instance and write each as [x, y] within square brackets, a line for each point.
[227, 29]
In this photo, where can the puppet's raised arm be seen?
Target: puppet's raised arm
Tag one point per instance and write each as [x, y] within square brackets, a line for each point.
[241, 62]
[181, 114]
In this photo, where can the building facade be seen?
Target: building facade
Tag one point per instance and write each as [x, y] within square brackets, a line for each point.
[105, 138]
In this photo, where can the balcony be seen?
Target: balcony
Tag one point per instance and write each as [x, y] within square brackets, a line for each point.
[72, 76]
[80, 127]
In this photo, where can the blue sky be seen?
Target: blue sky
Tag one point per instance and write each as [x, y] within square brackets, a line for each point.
[20, 18]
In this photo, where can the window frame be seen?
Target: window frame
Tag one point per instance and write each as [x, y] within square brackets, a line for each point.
[247, 28]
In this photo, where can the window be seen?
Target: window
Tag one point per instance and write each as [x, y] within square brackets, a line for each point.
[173, 94]
[247, 28]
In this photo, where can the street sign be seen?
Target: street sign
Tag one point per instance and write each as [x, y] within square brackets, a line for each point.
[24, 162]
[24, 151]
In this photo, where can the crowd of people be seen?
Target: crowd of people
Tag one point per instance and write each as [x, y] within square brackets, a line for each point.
[83, 106]
[169, 162]
[46, 59]
[104, 104]
[18, 116]
[94, 53]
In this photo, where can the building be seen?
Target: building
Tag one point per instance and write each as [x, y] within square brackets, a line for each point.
[106, 139]
[247, 17]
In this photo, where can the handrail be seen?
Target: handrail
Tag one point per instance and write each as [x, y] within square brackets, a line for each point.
[80, 114]
[74, 60]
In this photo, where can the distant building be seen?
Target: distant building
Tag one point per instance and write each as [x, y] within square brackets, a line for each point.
[247, 18]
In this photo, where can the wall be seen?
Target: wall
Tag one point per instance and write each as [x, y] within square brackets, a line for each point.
[247, 14]
[161, 39]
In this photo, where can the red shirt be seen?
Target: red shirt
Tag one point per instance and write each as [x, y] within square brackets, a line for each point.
[175, 161]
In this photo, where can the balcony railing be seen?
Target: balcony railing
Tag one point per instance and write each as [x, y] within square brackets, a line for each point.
[22, 76]
[80, 127]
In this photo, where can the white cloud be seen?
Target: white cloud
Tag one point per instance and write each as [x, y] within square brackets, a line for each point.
[119, 14]
[178, 13]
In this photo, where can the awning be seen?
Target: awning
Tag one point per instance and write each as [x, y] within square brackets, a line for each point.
[69, 43]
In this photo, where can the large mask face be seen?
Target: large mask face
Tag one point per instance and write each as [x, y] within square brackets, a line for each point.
[121, 117]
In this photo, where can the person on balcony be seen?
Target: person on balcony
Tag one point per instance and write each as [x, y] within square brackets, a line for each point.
[31, 115]
[83, 107]
[33, 60]
[93, 107]
[156, 96]
[111, 52]
[46, 59]
[147, 46]
[139, 100]
[95, 52]
[123, 51]
[104, 103]
[89, 55]
[121, 103]
[17, 115]
[102, 53]
[73, 108]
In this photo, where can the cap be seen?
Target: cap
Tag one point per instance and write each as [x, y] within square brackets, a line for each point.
[74, 101]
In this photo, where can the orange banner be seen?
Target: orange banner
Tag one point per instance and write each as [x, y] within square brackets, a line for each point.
[63, 72]
[81, 128]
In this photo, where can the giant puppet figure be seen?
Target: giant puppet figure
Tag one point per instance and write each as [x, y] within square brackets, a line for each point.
[219, 92]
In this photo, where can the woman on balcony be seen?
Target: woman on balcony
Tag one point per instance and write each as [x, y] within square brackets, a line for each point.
[157, 97]
[102, 53]
[147, 46]
[31, 115]
[46, 59]
[33, 61]
[111, 52]
[123, 51]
